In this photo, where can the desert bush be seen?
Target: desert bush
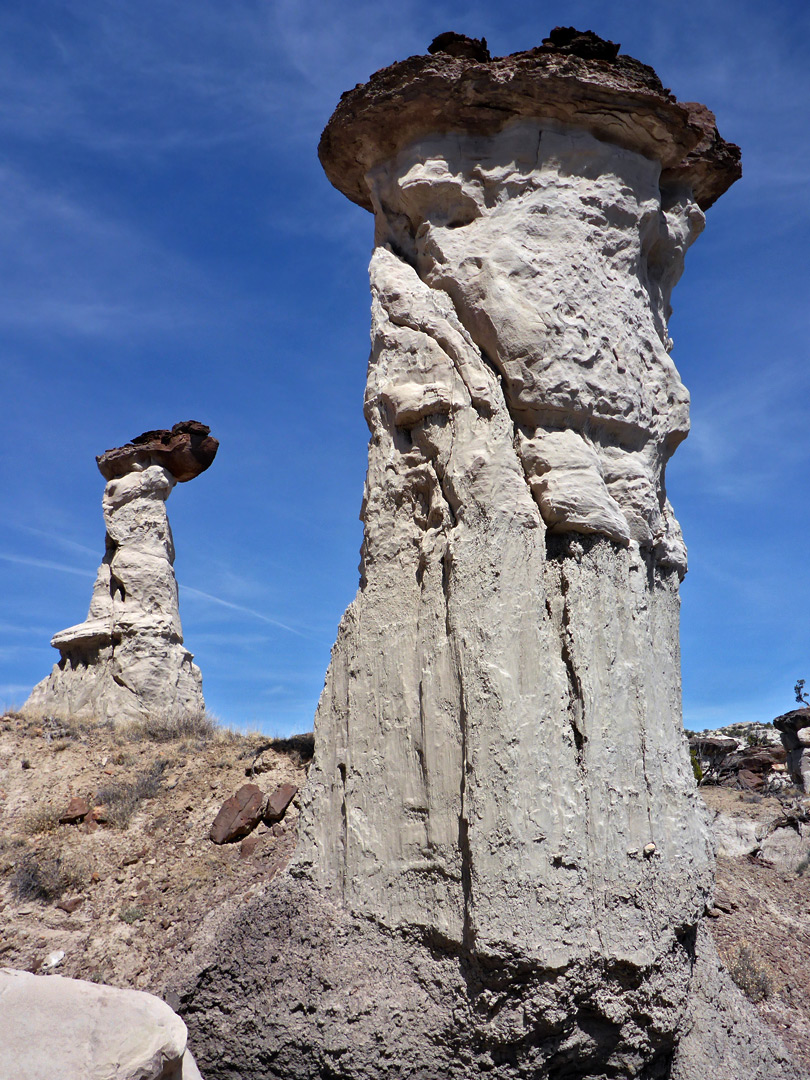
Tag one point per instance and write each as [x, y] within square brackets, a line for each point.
[122, 799]
[168, 726]
[47, 877]
[750, 974]
[132, 915]
[42, 818]
[9, 850]
[696, 769]
[11, 843]
[757, 739]
[101, 974]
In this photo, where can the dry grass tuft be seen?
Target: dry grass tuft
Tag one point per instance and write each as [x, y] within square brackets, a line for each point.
[41, 818]
[122, 799]
[46, 877]
[751, 974]
[170, 726]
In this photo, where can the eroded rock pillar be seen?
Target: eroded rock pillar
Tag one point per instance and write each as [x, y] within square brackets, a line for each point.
[127, 659]
[503, 862]
[500, 736]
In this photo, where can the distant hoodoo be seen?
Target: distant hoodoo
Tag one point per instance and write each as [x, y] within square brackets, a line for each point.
[127, 659]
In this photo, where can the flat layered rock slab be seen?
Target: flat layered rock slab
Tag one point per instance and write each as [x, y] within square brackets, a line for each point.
[278, 802]
[238, 815]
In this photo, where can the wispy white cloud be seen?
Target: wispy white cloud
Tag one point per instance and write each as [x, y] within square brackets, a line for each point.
[45, 564]
[69, 267]
[56, 538]
[231, 640]
[750, 434]
[208, 63]
[187, 590]
[18, 628]
[240, 75]
[12, 694]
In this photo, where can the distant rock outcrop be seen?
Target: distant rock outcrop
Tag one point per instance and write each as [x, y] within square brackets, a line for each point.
[748, 756]
[127, 658]
[503, 862]
[794, 727]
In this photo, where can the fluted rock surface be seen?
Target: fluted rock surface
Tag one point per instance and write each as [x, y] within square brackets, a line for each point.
[501, 825]
[127, 659]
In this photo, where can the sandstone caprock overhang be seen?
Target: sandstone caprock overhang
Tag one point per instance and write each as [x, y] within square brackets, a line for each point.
[574, 78]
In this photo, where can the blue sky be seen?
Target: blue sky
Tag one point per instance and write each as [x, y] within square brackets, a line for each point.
[172, 250]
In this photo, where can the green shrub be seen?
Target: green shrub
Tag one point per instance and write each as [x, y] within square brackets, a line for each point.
[132, 915]
[752, 976]
[696, 769]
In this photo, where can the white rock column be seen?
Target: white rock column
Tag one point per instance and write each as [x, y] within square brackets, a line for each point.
[499, 749]
[503, 861]
[127, 659]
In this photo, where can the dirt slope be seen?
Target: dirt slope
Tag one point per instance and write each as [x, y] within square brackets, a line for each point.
[153, 888]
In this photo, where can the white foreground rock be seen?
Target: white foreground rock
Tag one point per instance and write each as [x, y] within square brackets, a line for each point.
[54, 1028]
[127, 659]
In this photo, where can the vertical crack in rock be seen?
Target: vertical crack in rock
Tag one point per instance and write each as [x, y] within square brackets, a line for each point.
[576, 706]
[127, 659]
[467, 931]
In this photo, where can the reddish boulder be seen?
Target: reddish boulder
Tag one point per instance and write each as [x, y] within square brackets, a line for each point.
[749, 779]
[71, 905]
[238, 815]
[278, 802]
[761, 759]
[77, 810]
[248, 846]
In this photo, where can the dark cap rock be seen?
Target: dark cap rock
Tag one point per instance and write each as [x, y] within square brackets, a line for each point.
[794, 720]
[584, 43]
[185, 451]
[575, 78]
[460, 45]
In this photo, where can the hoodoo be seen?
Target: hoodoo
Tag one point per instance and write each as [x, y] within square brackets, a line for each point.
[503, 863]
[127, 659]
